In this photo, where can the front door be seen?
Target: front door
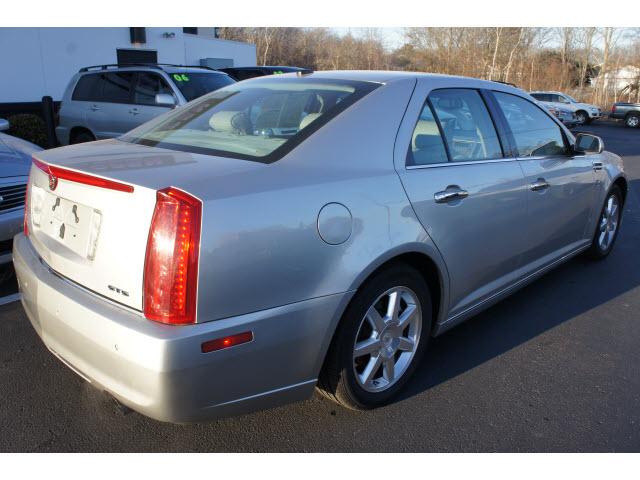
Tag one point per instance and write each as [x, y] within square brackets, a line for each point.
[560, 185]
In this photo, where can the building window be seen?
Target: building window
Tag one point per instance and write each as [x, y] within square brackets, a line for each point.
[190, 30]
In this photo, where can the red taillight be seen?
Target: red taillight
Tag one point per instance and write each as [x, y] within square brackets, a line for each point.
[59, 173]
[171, 263]
[613, 109]
[226, 342]
[25, 221]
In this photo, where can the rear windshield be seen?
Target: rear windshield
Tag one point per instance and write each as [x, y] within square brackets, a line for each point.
[258, 120]
[194, 85]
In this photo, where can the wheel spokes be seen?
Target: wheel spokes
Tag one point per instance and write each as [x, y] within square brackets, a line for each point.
[370, 370]
[407, 316]
[387, 339]
[389, 369]
[394, 306]
[369, 346]
[406, 344]
[375, 319]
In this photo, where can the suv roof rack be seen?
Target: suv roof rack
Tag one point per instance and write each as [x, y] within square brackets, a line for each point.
[157, 66]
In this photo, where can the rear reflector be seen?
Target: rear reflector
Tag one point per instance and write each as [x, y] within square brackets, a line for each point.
[171, 263]
[59, 173]
[226, 342]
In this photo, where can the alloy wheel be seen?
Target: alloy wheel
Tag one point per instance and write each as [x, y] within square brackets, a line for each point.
[633, 121]
[581, 117]
[609, 220]
[387, 339]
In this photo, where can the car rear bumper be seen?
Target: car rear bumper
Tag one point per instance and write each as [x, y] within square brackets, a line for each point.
[159, 370]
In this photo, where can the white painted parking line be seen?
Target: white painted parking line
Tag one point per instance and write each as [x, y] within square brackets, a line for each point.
[10, 298]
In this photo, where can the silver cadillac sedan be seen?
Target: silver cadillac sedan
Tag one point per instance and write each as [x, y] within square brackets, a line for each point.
[301, 231]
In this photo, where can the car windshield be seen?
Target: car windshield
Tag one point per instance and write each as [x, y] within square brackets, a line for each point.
[571, 98]
[194, 85]
[255, 120]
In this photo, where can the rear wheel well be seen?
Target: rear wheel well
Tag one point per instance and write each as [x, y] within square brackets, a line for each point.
[427, 269]
[75, 131]
[622, 184]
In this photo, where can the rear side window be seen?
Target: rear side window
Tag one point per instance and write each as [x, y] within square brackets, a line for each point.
[147, 87]
[88, 88]
[260, 120]
[534, 132]
[467, 126]
[116, 87]
[427, 146]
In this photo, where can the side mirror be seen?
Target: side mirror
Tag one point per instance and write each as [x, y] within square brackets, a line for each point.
[587, 143]
[165, 100]
[4, 125]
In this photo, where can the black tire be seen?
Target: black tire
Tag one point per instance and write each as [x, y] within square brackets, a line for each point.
[632, 120]
[82, 136]
[582, 117]
[596, 251]
[338, 377]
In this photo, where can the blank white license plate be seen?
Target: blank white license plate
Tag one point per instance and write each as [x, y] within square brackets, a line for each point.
[73, 224]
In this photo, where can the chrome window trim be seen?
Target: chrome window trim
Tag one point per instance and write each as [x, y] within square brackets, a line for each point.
[469, 162]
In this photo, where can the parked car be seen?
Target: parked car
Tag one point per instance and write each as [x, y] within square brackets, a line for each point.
[565, 115]
[585, 113]
[15, 162]
[287, 232]
[628, 112]
[108, 100]
[244, 73]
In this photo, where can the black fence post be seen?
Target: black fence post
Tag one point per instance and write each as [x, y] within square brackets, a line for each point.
[49, 121]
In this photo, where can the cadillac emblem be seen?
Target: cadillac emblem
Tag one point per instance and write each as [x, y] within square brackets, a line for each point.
[53, 181]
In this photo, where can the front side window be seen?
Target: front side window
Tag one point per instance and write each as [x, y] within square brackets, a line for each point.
[535, 133]
[194, 85]
[466, 124]
[259, 120]
[427, 146]
[147, 87]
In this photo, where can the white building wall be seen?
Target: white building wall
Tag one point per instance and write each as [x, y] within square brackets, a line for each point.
[40, 61]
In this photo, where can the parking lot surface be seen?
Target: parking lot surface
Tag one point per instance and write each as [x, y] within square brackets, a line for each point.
[552, 368]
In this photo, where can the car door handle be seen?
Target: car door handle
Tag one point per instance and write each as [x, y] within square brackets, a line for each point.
[134, 111]
[598, 166]
[94, 108]
[450, 195]
[539, 185]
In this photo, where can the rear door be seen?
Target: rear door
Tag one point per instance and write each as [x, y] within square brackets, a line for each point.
[467, 191]
[146, 87]
[108, 115]
[560, 186]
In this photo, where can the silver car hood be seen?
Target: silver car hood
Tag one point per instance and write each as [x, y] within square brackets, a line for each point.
[15, 156]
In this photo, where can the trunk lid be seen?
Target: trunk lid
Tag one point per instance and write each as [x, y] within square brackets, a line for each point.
[96, 236]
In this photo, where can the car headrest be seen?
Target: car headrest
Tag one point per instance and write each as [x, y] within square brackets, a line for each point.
[227, 121]
[308, 119]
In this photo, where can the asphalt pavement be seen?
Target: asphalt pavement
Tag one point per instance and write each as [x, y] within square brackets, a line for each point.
[553, 368]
